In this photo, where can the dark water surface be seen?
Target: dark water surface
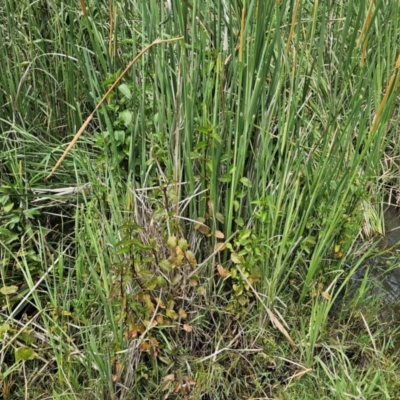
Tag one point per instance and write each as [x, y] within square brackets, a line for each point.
[391, 281]
[382, 273]
[385, 273]
[392, 225]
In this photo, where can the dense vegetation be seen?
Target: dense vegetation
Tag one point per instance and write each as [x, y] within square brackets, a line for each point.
[196, 239]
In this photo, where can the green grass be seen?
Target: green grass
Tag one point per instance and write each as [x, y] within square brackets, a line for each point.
[194, 240]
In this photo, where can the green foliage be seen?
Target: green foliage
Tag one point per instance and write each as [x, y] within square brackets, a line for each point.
[24, 353]
[195, 241]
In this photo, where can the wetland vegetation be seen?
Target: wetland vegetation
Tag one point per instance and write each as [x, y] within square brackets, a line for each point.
[222, 197]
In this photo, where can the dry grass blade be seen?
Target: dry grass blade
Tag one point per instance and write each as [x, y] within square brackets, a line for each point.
[271, 315]
[117, 81]
[293, 24]
[23, 301]
[212, 255]
[393, 78]
[370, 334]
[83, 7]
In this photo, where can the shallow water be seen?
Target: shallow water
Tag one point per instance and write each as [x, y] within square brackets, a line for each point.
[392, 225]
[383, 276]
[388, 283]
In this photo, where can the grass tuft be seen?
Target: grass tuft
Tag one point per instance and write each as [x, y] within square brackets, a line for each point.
[215, 232]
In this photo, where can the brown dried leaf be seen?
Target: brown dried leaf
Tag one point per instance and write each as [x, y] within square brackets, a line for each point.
[178, 251]
[201, 227]
[211, 207]
[201, 291]
[176, 279]
[326, 295]
[219, 246]
[193, 282]
[149, 304]
[146, 323]
[222, 271]
[178, 387]
[219, 235]
[191, 258]
[132, 334]
[220, 217]
[144, 346]
[169, 378]
[204, 229]
[167, 381]
[278, 324]
[161, 304]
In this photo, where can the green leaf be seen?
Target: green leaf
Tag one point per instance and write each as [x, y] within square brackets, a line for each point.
[225, 157]
[8, 207]
[26, 338]
[8, 236]
[183, 244]
[176, 279]
[244, 235]
[165, 265]
[172, 242]
[225, 178]
[7, 290]
[205, 129]
[124, 89]
[24, 353]
[201, 145]
[126, 116]
[119, 136]
[239, 221]
[171, 314]
[13, 221]
[236, 258]
[123, 250]
[4, 328]
[4, 199]
[220, 217]
[246, 182]
[161, 282]
[31, 213]
[152, 284]
[311, 240]
[110, 80]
